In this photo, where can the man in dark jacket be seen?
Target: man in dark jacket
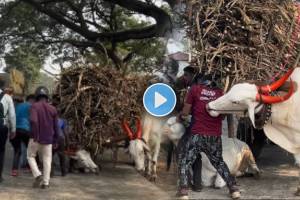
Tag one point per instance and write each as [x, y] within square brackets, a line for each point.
[44, 134]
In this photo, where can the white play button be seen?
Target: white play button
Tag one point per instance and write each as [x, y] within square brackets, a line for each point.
[159, 100]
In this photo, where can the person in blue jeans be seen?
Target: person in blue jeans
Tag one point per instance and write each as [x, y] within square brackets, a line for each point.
[22, 130]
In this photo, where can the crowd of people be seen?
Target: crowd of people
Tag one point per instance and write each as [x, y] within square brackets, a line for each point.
[35, 131]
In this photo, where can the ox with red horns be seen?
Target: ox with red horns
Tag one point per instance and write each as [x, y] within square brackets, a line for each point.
[144, 146]
[137, 145]
[283, 127]
[129, 131]
[250, 97]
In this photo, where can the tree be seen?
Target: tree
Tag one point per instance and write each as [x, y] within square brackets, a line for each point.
[85, 24]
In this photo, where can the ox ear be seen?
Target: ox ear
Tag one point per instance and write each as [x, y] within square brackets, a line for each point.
[251, 111]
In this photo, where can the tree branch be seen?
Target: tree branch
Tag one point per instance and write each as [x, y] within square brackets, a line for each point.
[43, 9]
[162, 26]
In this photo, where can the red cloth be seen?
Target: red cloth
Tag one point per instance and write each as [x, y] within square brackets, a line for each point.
[202, 123]
[44, 123]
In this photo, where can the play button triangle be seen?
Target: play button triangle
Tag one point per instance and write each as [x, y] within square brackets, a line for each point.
[159, 100]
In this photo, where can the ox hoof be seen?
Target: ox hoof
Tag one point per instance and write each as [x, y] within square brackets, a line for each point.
[153, 178]
[217, 187]
[297, 193]
[97, 172]
[146, 175]
[257, 175]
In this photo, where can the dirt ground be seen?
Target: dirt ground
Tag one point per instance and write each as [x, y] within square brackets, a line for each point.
[278, 181]
[121, 182]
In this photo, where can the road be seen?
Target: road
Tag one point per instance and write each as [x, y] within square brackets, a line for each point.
[278, 181]
[117, 183]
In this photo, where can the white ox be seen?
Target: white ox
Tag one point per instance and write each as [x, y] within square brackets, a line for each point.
[283, 128]
[145, 149]
[83, 162]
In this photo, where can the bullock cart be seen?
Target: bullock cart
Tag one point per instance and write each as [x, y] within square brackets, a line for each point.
[95, 101]
[244, 40]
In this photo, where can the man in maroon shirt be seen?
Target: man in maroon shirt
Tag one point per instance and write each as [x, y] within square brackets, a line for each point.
[206, 136]
[44, 133]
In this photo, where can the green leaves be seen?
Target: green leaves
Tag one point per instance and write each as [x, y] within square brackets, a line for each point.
[73, 29]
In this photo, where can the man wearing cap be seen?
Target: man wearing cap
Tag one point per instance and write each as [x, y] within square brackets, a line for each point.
[205, 136]
[7, 119]
[44, 133]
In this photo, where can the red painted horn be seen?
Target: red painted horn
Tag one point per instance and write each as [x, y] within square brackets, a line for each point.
[276, 84]
[127, 130]
[275, 99]
[139, 128]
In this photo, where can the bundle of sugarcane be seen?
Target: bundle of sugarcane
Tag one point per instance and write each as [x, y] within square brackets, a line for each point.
[244, 39]
[96, 100]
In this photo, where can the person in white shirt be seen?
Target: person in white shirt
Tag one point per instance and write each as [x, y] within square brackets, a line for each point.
[7, 119]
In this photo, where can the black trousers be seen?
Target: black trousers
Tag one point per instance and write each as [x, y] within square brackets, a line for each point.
[3, 138]
[212, 147]
[22, 136]
[197, 164]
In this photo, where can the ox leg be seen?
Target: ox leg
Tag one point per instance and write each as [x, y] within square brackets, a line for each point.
[72, 163]
[298, 188]
[115, 156]
[252, 163]
[248, 162]
[297, 162]
[219, 182]
[153, 176]
[148, 165]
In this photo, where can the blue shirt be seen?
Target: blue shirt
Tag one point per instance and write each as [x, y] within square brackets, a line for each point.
[22, 116]
[61, 126]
